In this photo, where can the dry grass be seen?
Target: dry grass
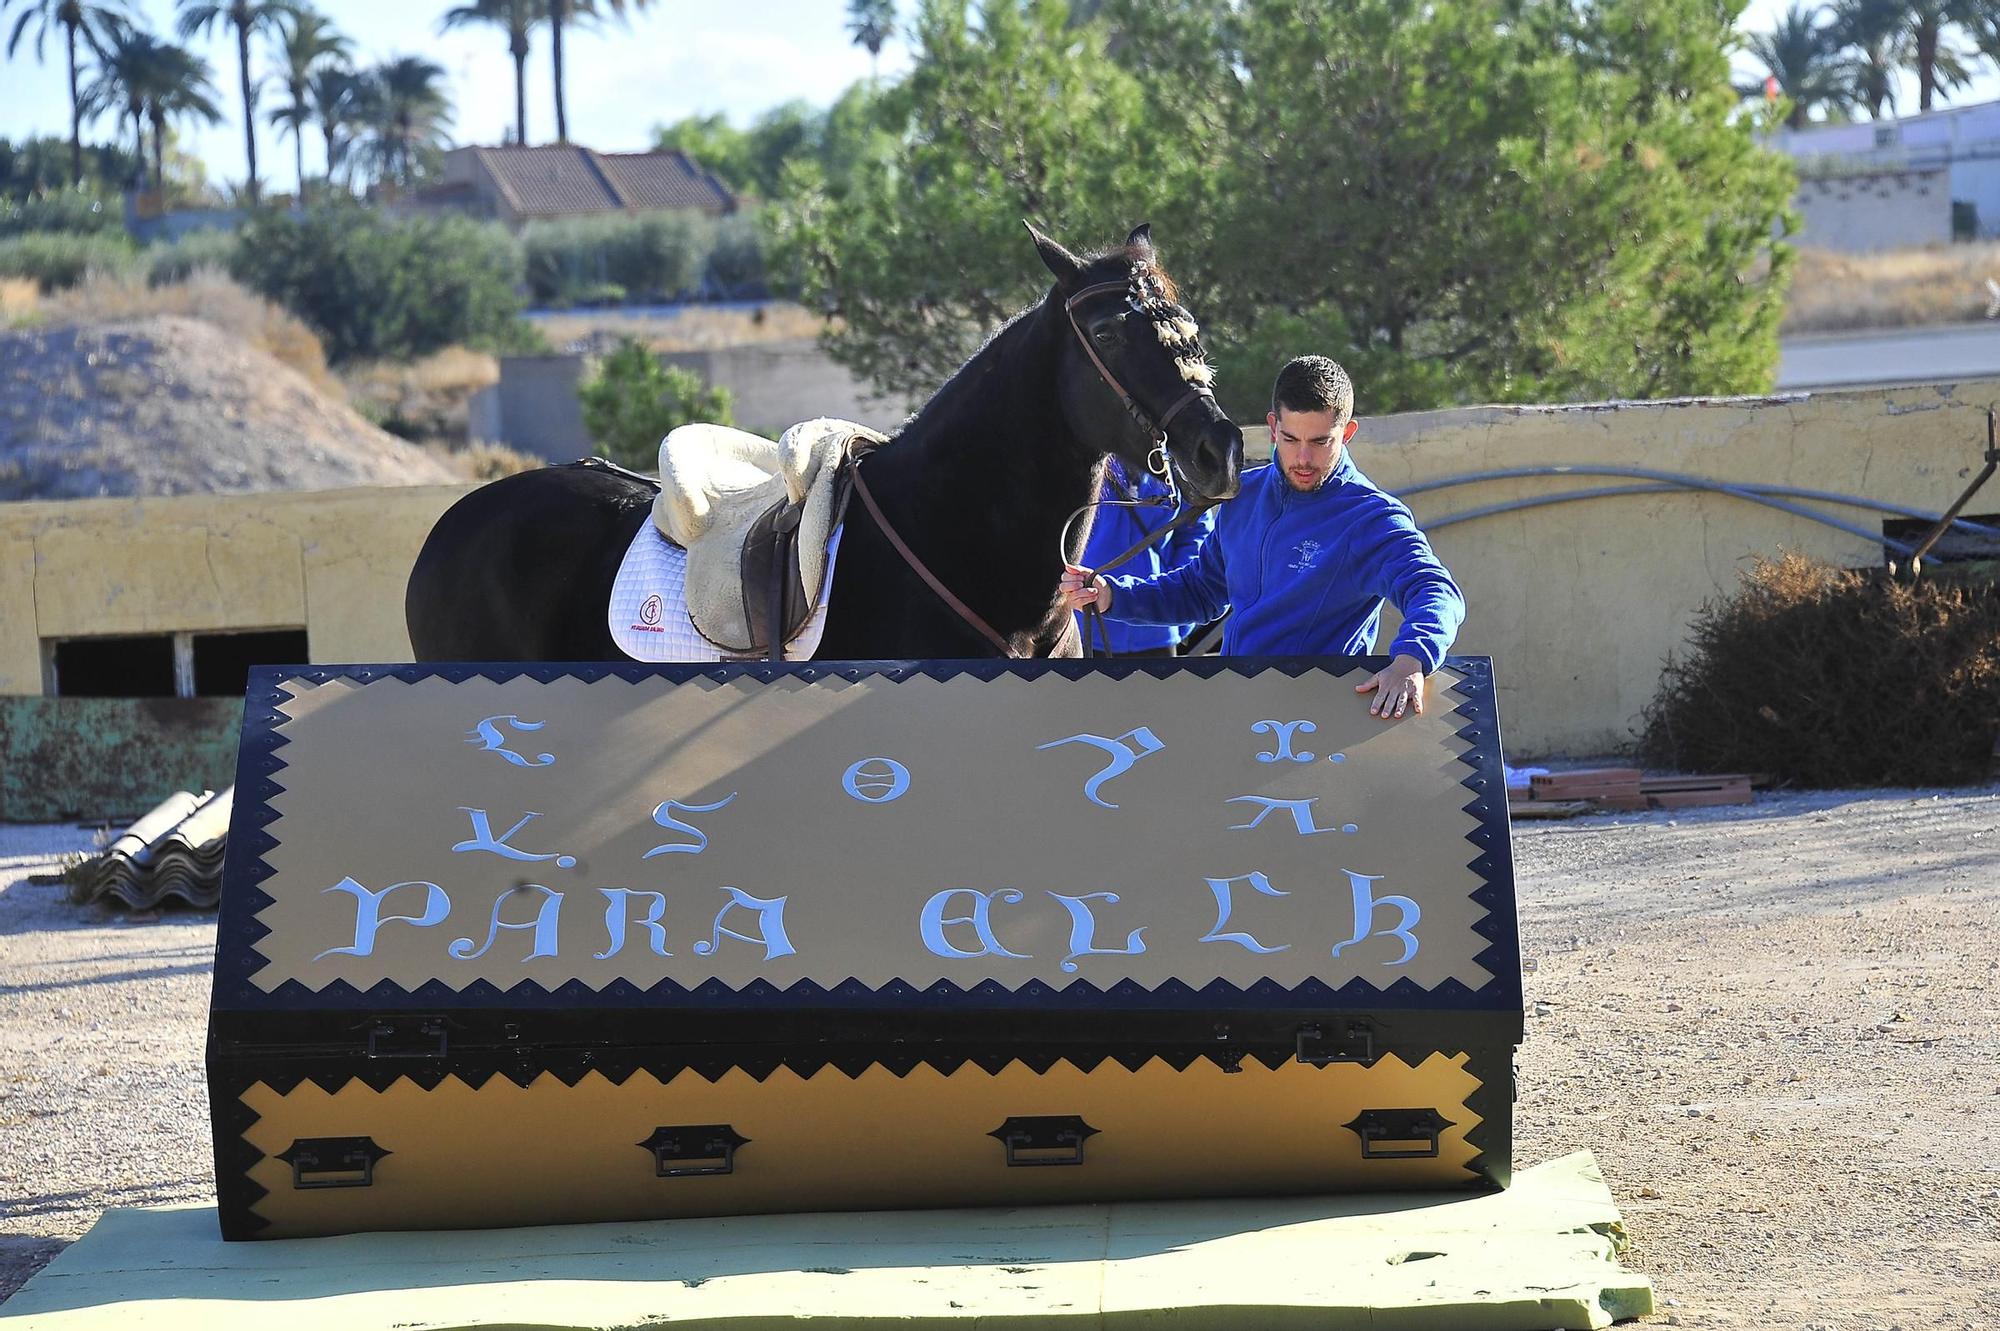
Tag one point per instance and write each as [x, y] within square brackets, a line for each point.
[19, 298]
[489, 462]
[1895, 289]
[426, 399]
[691, 330]
[208, 295]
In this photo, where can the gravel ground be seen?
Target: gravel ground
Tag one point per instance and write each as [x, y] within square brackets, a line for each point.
[1775, 1025]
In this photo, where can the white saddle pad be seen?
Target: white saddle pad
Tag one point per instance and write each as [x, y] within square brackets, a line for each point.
[649, 614]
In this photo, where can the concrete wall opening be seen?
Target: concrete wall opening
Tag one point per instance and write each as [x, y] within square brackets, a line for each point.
[165, 665]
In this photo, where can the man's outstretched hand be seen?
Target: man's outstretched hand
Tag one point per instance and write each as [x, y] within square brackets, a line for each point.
[1398, 687]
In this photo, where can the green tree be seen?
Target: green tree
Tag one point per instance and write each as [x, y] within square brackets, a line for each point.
[248, 18]
[1879, 42]
[1803, 54]
[633, 400]
[871, 23]
[149, 81]
[310, 43]
[33, 167]
[93, 23]
[1935, 57]
[337, 98]
[516, 18]
[405, 113]
[1564, 204]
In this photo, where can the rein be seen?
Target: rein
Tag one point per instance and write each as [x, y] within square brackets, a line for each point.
[1159, 463]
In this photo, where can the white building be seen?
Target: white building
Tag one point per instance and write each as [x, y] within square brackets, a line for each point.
[1885, 184]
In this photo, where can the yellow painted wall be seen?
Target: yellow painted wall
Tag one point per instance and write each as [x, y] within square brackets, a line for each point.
[334, 561]
[1577, 603]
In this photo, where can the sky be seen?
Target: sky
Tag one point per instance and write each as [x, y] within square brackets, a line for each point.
[679, 58]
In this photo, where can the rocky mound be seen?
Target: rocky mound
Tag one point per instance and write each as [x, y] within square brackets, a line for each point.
[167, 405]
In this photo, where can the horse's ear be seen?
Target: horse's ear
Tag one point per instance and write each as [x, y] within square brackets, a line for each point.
[1066, 266]
[1140, 242]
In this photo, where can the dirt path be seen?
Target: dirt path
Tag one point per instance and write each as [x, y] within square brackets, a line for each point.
[1777, 1027]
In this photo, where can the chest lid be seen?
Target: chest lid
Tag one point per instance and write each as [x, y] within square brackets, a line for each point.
[887, 847]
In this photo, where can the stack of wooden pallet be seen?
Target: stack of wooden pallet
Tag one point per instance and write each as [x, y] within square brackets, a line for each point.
[1594, 789]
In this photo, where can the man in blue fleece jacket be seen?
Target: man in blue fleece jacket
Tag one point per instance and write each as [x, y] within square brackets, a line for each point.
[1304, 556]
[1116, 528]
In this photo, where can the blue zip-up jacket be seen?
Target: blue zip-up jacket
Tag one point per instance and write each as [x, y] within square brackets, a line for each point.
[1306, 574]
[1116, 529]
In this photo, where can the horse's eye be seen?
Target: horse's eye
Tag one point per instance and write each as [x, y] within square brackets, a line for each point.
[1105, 335]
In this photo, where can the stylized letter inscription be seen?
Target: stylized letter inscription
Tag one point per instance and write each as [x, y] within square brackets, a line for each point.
[1123, 756]
[931, 923]
[614, 921]
[1220, 886]
[770, 923]
[368, 916]
[543, 926]
[483, 839]
[1301, 811]
[1083, 928]
[1365, 905]
[876, 780]
[487, 735]
[664, 816]
[1283, 731]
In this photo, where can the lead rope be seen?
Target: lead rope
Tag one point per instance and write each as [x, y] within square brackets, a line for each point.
[1093, 618]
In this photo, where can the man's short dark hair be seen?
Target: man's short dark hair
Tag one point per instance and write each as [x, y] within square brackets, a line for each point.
[1314, 383]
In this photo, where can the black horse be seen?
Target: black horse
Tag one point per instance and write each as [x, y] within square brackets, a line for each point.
[979, 485]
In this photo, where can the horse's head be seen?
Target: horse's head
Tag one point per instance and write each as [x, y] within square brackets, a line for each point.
[1134, 378]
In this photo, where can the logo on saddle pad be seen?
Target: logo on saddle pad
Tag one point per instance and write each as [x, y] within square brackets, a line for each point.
[650, 611]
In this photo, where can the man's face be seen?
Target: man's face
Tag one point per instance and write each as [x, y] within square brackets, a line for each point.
[1307, 445]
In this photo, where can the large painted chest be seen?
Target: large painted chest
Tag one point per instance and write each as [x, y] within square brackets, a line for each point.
[526, 945]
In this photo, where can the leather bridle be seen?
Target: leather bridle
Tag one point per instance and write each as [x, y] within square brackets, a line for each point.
[1159, 463]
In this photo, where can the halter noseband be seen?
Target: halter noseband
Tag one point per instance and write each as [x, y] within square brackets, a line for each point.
[1156, 429]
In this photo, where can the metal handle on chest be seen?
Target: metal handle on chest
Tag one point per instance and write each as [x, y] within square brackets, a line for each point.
[1045, 1139]
[694, 1151]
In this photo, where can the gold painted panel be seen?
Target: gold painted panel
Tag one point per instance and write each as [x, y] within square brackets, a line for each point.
[552, 1154]
[1018, 830]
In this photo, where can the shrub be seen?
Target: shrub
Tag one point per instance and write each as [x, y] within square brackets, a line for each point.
[378, 288]
[1827, 677]
[654, 256]
[76, 212]
[633, 400]
[736, 262]
[208, 294]
[175, 260]
[55, 260]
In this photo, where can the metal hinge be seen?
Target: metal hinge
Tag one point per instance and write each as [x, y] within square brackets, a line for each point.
[409, 1037]
[1419, 1128]
[1046, 1139]
[694, 1150]
[1355, 1045]
[332, 1162]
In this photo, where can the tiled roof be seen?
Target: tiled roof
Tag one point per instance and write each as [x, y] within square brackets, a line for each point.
[666, 180]
[559, 180]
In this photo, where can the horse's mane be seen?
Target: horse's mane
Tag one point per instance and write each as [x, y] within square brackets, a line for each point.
[1153, 281]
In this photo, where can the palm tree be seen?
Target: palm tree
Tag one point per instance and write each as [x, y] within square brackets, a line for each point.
[147, 81]
[92, 22]
[247, 17]
[1939, 64]
[405, 110]
[872, 23]
[184, 89]
[1874, 30]
[1801, 55]
[563, 12]
[310, 40]
[335, 95]
[517, 17]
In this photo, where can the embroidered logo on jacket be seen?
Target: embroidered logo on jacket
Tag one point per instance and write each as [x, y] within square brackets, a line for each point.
[1308, 551]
